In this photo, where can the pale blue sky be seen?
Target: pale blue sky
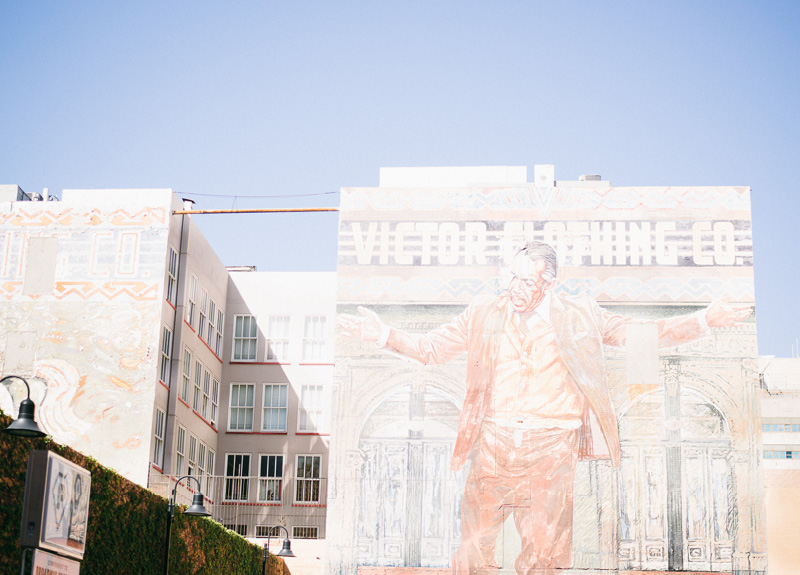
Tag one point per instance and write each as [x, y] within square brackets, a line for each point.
[295, 98]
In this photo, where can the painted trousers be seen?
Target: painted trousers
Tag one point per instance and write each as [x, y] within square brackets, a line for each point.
[529, 473]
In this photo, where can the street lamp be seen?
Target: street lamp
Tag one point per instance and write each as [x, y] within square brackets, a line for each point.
[24, 425]
[286, 550]
[196, 508]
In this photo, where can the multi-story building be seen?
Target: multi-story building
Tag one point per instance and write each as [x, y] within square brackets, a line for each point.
[780, 429]
[278, 371]
[143, 351]
[439, 456]
[90, 315]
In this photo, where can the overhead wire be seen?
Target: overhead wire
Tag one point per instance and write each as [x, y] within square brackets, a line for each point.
[236, 196]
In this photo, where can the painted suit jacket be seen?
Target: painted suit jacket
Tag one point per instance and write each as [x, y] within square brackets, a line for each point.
[581, 329]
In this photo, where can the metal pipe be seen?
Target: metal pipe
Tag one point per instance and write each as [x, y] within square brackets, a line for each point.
[257, 211]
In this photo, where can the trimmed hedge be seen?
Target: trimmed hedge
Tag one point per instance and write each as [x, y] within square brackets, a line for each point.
[127, 524]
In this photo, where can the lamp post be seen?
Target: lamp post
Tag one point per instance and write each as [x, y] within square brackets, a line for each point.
[286, 550]
[25, 424]
[196, 508]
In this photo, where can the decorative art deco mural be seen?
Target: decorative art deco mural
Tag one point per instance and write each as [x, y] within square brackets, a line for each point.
[559, 378]
[80, 307]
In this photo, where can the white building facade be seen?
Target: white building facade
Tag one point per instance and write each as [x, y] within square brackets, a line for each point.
[144, 352]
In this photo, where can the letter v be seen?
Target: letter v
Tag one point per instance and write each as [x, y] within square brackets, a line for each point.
[364, 248]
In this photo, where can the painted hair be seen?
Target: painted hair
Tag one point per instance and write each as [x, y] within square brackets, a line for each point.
[536, 251]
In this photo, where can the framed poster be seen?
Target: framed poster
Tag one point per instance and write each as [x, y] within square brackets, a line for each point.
[56, 507]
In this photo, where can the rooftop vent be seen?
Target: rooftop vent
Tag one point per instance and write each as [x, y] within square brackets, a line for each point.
[544, 175]
[590, 178]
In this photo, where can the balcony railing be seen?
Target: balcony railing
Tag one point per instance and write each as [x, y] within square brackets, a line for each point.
[251, 505]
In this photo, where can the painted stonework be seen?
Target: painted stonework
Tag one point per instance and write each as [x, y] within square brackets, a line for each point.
[80, 308]
[496, 412]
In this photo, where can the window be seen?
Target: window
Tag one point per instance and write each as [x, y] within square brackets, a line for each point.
[278, 337]
[198, 385]
[244, 338]
[218, 339]
[172, 276]
[166, 353]
[187, 375]
[781, 427]
[158, 438]
[191, 298]
[241, 414]
[267, 531]
[314, 341]
[270, 478]
[303, 532]
[206, 394]
[781, 454]
[210, 472]
[237, 468]
[240, 529]
[192, 468]
[212, 317]
[310, 409]
[201, 326]
[214, 401]
[275, 407]
[180, 451]
[308, 479]
[201, 462]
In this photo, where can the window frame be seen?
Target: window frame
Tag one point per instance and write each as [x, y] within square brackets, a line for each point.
[266, 410]
[197, 392]
[210, 461]
[203, 313]
[315, 345]
[172, 276]
[186, 381]
[264, 531]
[191, 299]
[206, 399]
[264, 480]
[307, 413]
[243, 478]
[253, 327]
[214, 401]
[231, 406]
[159, 435]
[313, 528]
[180, 450]
[202, 448]
[308, 485]
[191, 459]
[166, 355]
[220, 327]
[212, 318]
[279, 345]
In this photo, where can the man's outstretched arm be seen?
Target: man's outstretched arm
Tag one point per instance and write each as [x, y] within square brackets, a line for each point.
[680, 329]
[437, 346]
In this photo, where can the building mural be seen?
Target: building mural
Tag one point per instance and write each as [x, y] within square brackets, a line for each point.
[560, 377]
[81, 290]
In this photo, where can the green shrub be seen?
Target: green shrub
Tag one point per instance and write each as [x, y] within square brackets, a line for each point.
[127, 524]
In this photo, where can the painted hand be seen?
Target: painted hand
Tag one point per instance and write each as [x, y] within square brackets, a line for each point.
[722, 314]
[367, 326]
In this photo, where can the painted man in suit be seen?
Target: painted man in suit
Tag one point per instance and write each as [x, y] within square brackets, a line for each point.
[537, 401]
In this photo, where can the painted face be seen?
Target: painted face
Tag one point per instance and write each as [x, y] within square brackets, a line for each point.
[527, 288]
